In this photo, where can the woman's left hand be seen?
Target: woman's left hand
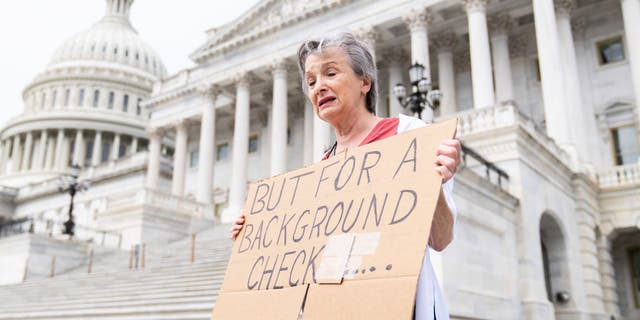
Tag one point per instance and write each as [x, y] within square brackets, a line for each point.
[448, 158]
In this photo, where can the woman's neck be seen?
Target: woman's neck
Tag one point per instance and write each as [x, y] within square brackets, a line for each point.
[351, 131]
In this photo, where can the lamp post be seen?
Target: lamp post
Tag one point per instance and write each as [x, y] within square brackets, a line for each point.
[71, 184]
[422, 95]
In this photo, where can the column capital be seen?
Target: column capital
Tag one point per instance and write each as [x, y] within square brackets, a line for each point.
[180, 124]
[518, 45]
[395, 56]
[155, 132]
[416, 19]
[241, 79]
[208, 90]
[564, 7]
[279, 67]
[462, 60]
[475, 5]
[500, 24]
[445, 42]
[579, 25]
[369, 34]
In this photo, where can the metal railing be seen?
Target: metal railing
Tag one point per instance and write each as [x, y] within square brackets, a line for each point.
[54, 228]
[489, 166]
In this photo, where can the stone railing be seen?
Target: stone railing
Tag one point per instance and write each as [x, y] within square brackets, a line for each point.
[506, 115]
[619, 176]
[173, 203]
[116, 167]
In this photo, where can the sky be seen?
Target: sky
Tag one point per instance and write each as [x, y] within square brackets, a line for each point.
[31, 30]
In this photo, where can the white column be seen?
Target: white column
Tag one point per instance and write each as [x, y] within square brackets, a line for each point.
[59, 103]
[16, 154]
[631, 18]
[78, 146]
[50, 154]
[39, 162]
[481, 70]
[134, 145]
[238, 189]
[115, 147]
[179, 159]
[584, 127]
[5, 156]
[418, 22]
[308, 133]
[321, 136]
[28, 147]
[279, 119]
[66, 153]
[4, 150]
[369, 35]
[73, 97]
[207, 148]
[59, 150]
[395, 59]
[500, 27]
[96, 155]
[553, 87]
[445, 44]
[607, 277]
[153, 169]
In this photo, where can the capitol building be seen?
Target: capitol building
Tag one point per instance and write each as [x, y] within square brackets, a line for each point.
[547, 93]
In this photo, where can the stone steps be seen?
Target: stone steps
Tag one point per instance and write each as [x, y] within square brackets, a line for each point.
[169, 287]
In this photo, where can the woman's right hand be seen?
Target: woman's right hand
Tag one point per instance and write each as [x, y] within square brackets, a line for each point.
[237, 226]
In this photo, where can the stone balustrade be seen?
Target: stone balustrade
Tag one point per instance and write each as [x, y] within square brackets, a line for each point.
[619, 176]
[176, 204]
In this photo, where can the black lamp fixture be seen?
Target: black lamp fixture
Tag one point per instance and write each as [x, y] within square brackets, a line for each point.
[71, 184]
[422, 95]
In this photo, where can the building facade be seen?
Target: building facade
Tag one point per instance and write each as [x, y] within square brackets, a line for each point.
[547, 94]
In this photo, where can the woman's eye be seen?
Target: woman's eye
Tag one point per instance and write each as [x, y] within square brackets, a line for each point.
[311, 83]
[331, 73]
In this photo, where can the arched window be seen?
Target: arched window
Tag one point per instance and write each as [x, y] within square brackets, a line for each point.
[96, 98]
[112, 97]
[81, 98]
[125, 103]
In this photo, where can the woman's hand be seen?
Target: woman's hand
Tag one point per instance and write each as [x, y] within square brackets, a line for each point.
[237, 226]
[448, 158]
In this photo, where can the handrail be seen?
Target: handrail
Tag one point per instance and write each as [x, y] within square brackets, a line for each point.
[489, 166]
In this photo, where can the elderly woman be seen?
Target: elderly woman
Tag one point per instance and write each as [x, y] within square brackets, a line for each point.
[339, 78]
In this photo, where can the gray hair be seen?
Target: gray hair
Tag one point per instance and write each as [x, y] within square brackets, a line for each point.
[360, 59]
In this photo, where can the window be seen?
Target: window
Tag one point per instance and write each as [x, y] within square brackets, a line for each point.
[96, 98]
[125, 103]
[81, 98]
[66, 97]
[112, 97]
[625, 145]
[610, 50]
[253, 144]
[288, 136]
[89, 153]
[115, 50]
[53, 98]
[222, 151]
[194, 156]
[122, 150]
[106, 148]
[634, 259]
[43, 98]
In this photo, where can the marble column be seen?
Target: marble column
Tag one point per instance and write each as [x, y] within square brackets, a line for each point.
[59, 150]
[589, 257]
[180, 159]
[321, 136]
[39, 160]
[445, 44]
[66, 153]
[115, 147]
[28, 147]
[78, 146]
[16, 154]
[279, 119]
[5, 156]
[207, 147]
[418, 23]
[50, 154]
[481, 69]
[500, 26]
[395, 59]
[238, 189]
[155, 147]
[551, 72]
[134, 145]
[631, 18]
[96, 155]
[308, 133]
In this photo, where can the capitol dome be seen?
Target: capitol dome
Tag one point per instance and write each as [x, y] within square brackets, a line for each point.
[85, 108]
[112, 39]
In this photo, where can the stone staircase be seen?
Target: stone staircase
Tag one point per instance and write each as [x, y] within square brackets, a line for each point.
[169, 287]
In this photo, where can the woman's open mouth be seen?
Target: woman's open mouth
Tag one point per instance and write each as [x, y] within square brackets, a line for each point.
[324, 102]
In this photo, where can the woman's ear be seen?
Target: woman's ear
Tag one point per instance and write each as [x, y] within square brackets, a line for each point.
[366, 85]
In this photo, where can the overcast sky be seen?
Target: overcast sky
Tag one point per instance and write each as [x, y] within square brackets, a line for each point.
[31, 30]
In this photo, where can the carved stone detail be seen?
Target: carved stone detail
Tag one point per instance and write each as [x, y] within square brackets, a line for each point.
[418, 19]
[564, 7]
[395, 56]
[475, 5]
[518, 45]
[446, 41]
[500, 24]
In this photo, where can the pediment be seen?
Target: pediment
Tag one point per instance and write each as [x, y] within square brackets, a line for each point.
[264, 17]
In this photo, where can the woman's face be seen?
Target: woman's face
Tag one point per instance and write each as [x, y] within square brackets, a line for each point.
[334, 89]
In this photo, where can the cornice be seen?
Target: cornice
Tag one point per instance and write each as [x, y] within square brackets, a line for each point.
[273, 22]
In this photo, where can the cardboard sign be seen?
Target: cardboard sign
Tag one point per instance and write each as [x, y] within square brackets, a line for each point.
[340, 239]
